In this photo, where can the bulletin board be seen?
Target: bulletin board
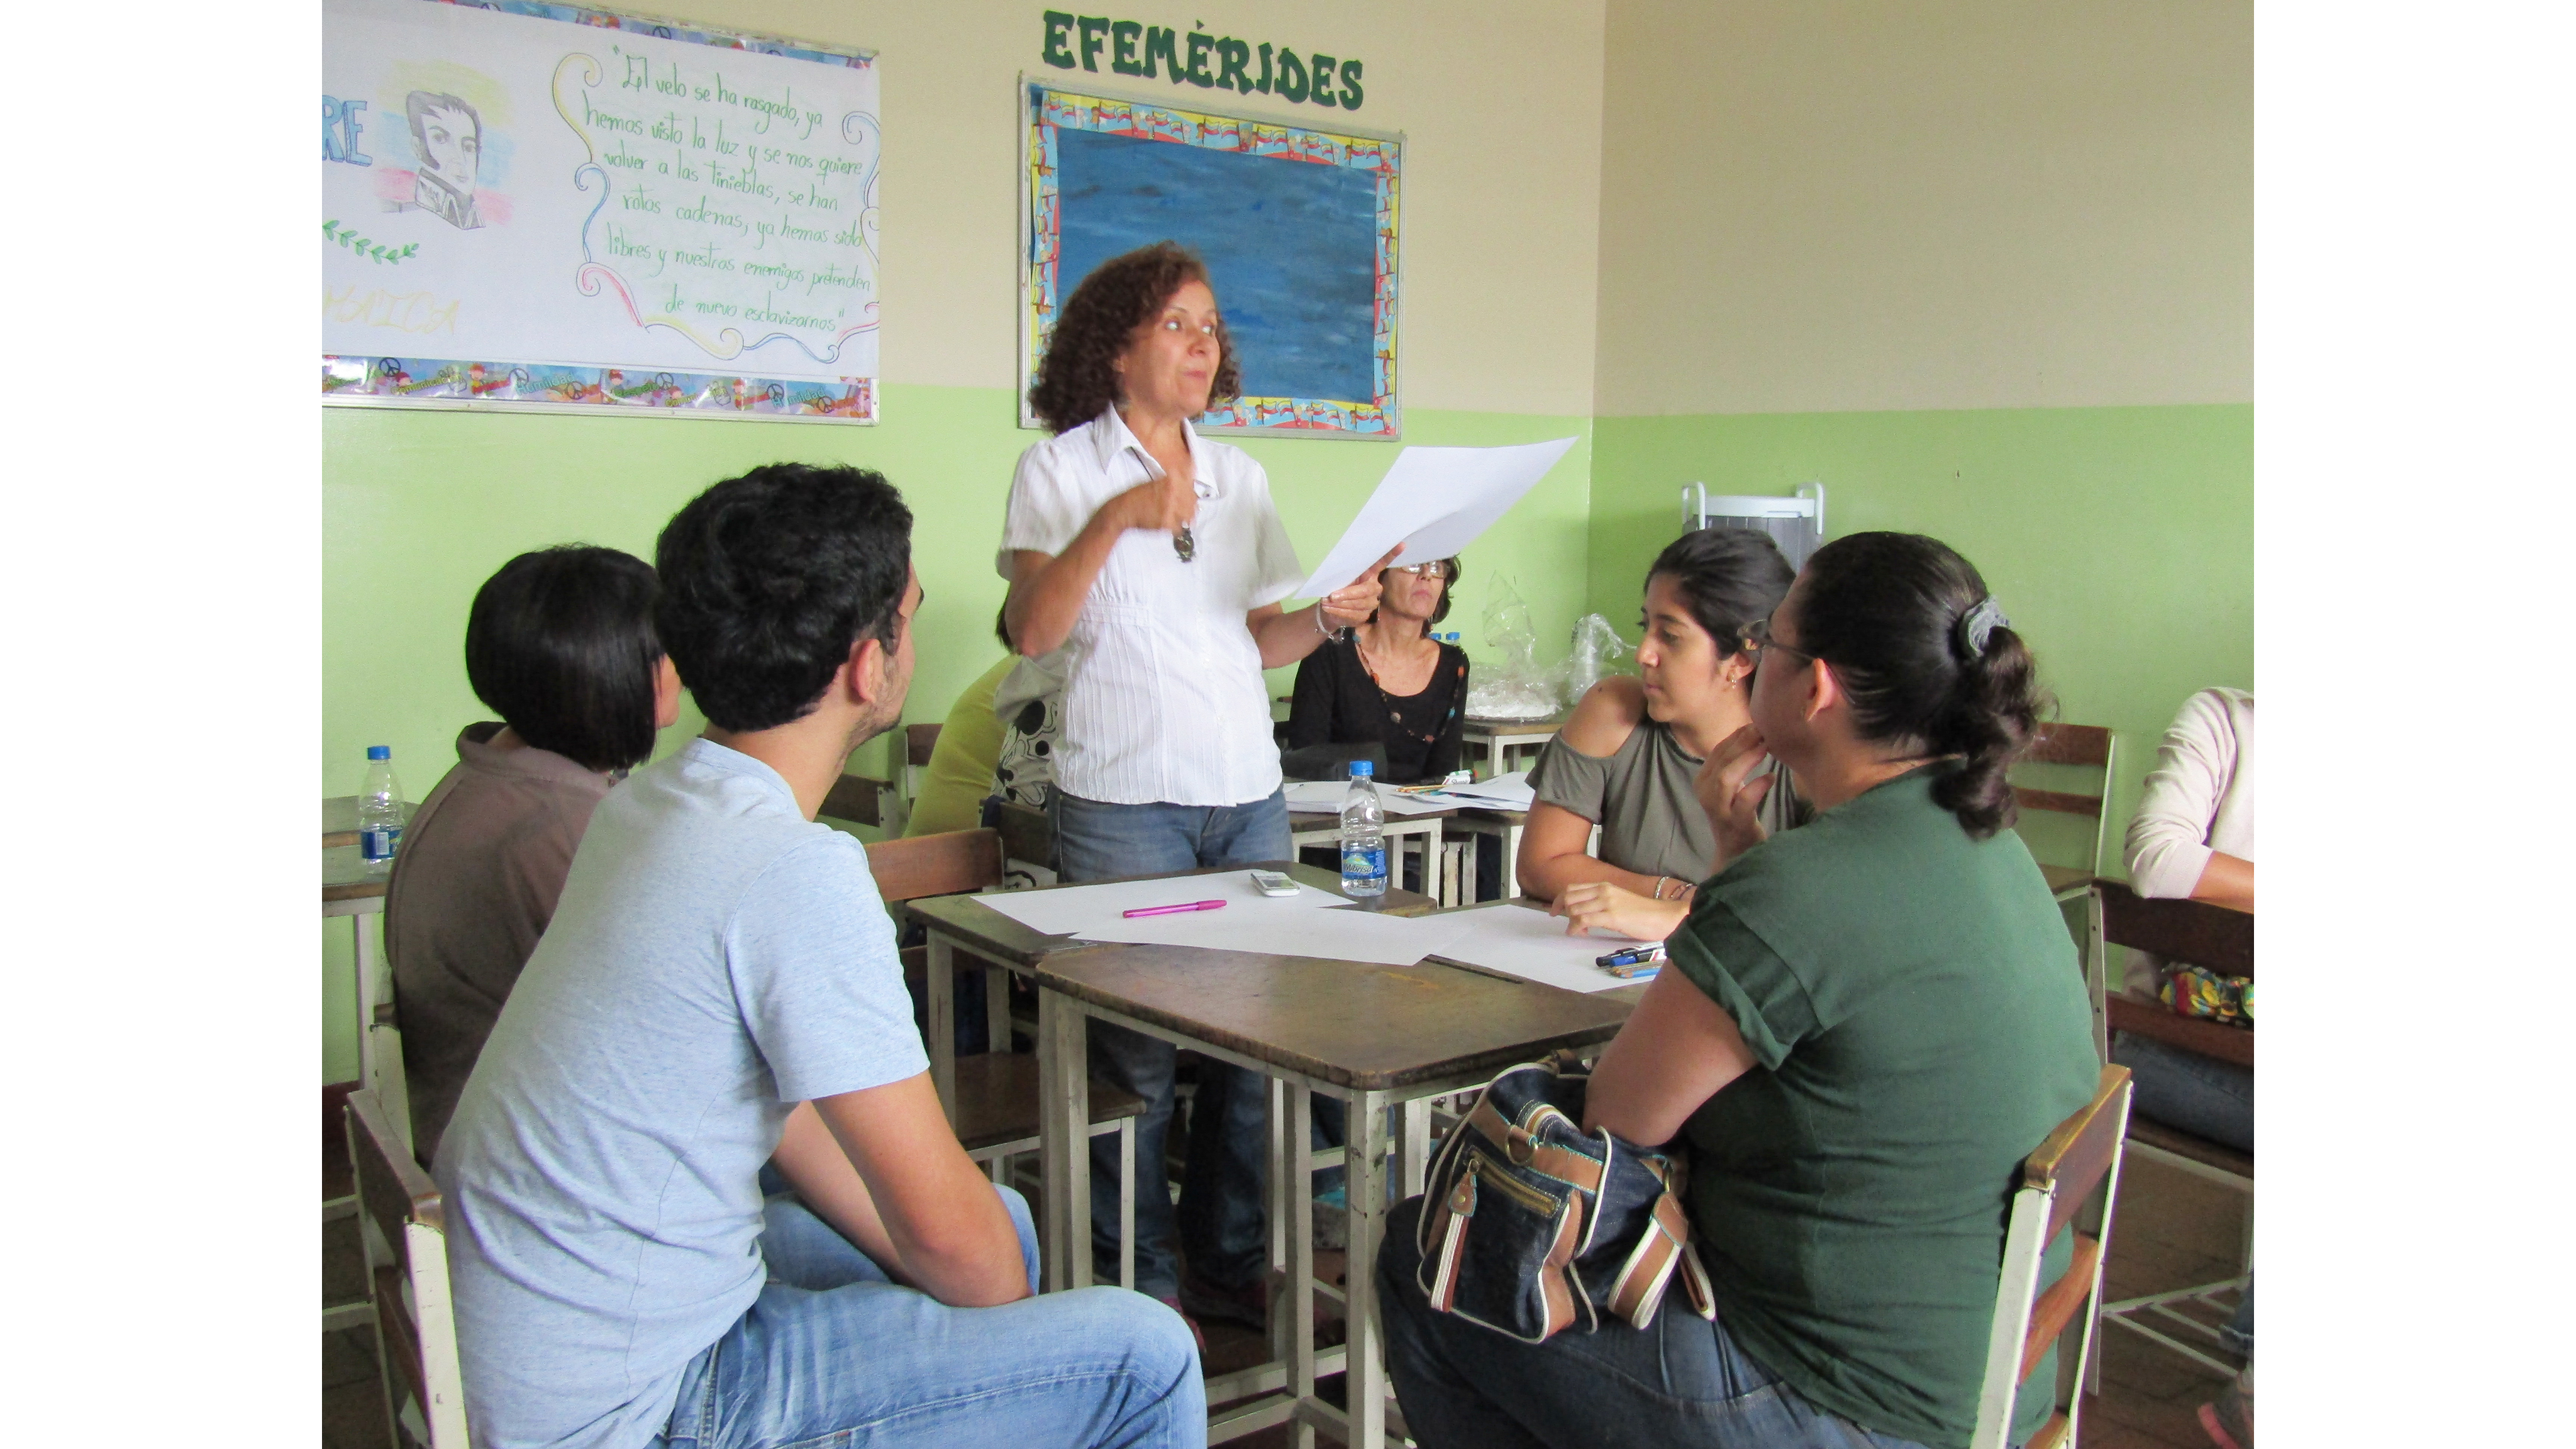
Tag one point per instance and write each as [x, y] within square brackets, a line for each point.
[1299, 227]
[551, 207]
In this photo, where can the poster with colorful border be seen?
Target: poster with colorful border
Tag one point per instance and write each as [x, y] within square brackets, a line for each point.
[569, 208]
[1235, 222]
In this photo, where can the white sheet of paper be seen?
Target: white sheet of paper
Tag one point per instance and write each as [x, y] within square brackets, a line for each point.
[1434, 501]
[1332, 935]
[1072, 908]
[1531, 944]
[1324, 797]
[1503, 792]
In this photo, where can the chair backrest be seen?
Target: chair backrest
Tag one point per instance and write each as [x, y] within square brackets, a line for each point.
[2194, 932]
[2084, 746]
[946, 864]
[857, 798]
[415, 1316]
[2079, 1163]
[2185, 932]
[918, 741]
[1028, 836]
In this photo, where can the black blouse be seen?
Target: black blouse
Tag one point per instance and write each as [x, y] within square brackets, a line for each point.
[1337, 703]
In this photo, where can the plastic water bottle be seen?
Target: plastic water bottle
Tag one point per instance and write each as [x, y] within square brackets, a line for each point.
[1363, 834]
[380, 824]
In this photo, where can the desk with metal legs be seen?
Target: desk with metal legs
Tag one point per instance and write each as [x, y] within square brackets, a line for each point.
[1379, 1038]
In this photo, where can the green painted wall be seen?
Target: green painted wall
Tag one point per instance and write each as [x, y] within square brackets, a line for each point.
[419, 508]
[2121, 540]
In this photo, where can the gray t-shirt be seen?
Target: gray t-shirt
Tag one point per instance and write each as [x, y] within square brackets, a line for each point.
[715, 959]
[1640, 796]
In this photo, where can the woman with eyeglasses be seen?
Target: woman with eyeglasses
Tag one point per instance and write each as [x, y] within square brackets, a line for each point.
[1625, 760]
[1147, 565]
[1388, 682]
[1866, 1025]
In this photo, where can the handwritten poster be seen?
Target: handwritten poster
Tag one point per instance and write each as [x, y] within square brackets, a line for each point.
[1299, 228]
[549, 206]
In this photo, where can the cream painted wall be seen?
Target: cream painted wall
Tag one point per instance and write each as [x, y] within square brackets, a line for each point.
[1880, 205]
[1500, 103]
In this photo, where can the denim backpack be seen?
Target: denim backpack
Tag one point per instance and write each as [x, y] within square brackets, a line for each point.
[1529, 1227]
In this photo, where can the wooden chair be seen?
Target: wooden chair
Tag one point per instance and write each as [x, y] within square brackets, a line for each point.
[859, 799]
[2084, 746]
[918, 742]
[404, 1226]
[2077, 1165]
[992, 1098]
[2200, 934]
[1028, 845]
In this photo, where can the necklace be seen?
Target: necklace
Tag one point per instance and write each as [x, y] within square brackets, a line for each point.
[1394, 715]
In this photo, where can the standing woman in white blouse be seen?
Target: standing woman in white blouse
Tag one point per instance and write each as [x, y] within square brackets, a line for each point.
[1147, 564]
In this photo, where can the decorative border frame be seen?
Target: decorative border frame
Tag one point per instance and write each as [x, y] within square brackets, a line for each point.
[527, 386]
[1046, 108]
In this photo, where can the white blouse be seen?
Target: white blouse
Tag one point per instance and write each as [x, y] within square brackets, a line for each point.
[1163, 699]
[2199, 801]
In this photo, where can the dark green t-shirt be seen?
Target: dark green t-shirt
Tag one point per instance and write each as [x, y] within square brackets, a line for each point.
[1918, 1014]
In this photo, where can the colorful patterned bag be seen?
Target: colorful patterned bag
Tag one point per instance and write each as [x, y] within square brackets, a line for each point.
[1529, 1227]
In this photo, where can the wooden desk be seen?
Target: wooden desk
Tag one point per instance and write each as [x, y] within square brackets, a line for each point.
[1500, 737]
[1376, 1037]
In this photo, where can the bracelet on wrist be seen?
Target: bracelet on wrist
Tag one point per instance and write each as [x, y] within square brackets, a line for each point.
[1319, 621]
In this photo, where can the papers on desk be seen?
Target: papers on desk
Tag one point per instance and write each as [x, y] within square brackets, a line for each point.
[1434, 501]
[1503, 792]
[1325, 797]
[1531, 944]
[1330, 935]
[1074, 909]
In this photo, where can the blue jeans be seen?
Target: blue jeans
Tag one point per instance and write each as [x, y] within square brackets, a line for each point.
[834, 1352]
[1221, 1225]
[1680, 1382]
[2187, 1091]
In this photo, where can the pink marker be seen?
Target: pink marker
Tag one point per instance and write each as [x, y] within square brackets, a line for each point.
[1172, 910]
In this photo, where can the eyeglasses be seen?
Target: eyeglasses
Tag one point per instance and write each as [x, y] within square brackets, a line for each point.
[1758, 635]
[1436, 569]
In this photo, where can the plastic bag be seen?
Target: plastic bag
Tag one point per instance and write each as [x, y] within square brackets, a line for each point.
[1598, 651]
[1509, 684]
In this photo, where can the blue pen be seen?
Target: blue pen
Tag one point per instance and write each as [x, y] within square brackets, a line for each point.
[1634, 961]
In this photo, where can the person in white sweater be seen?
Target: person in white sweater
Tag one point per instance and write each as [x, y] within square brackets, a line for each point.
[2193, 836]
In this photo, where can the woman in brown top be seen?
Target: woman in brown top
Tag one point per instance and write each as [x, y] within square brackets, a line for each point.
[560, 644]
[1625, 759]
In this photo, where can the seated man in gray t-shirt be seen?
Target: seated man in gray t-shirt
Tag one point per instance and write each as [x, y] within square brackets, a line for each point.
[719, 988]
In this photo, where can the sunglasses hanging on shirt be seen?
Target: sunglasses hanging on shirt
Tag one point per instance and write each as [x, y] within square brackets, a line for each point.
[1183, 544]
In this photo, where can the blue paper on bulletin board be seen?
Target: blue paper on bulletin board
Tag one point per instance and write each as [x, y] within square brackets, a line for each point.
[1298, 228]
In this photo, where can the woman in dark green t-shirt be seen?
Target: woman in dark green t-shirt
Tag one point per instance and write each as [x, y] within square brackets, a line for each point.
[1870, 1021]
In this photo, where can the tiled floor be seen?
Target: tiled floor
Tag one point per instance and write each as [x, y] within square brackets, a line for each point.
[2172, 1230]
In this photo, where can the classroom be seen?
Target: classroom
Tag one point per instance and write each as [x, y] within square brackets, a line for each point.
[1983, 271]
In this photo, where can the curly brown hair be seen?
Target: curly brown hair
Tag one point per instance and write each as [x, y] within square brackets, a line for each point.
[1076, 380]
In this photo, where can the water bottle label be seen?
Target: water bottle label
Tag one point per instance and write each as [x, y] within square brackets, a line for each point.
[1364, 863]
[379, 843]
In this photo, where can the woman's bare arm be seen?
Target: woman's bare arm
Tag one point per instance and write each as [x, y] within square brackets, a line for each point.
[1552, 843]
[1675, 1052]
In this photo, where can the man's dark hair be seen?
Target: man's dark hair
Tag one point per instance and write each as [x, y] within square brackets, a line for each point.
[769, 578]
[560, 644]
[1077, 379]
